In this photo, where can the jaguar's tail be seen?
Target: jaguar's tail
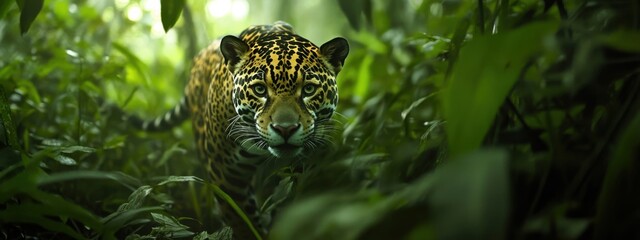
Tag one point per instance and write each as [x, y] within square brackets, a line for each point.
[167, 121]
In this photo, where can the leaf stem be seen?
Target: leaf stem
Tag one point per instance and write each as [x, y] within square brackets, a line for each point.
[236, 208]
[481, 16]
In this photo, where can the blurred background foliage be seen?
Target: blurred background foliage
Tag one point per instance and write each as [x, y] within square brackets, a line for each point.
[487, 119]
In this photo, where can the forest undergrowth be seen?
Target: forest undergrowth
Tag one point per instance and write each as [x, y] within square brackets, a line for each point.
[487, 119]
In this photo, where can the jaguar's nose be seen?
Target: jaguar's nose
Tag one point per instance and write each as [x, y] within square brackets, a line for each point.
[285, 130]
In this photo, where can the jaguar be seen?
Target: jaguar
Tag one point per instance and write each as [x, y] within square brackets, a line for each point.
[267, 93]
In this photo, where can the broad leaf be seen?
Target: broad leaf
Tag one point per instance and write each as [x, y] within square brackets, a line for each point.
[170, 11]
[171, 179]
[4, 7]
[483, 76]
[623, 40]
[353, 11]
[29, 10]
[615, 217]
[470, 197]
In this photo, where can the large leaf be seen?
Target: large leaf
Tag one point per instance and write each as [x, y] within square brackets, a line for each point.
[616, 217]
[457, 199]
[470, 197]
[4, 7]
[19, 183]
[352, 9]
[623, 41]
[119, 219]
[335, 216]
[170, 11]
[86, 175]
[485, 72]
[61, 207]
[29, 10]
[50, 205]
[36, 214]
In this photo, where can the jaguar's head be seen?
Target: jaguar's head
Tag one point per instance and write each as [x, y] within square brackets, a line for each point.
[285, 90]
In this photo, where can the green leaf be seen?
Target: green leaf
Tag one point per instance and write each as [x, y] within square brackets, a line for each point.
[31, 91]
[71, 149]
[89, 87]
[169, 221]
[29, 10]
[353, 11]
[615, 218]
[62, 207]
[469, 191]
[623, 40]
[226, 233]
[35, 214]
[115, 141]
[24, 181]
[51, 205]
[170, 11]
[181, 179]
[169, 226]
[127, 212]
[413, 105]
[373, 42]
[481, 79]
[364, 77]
[335, 216]
[7, 170]
[175, 148]
[435, 46]
[119, 219]
[202, 236]
[280, 194]
[4, 7]
[136, 198]
[224, 196]
[52, 142]
[83, 174]
[64, 160]
[137, 64]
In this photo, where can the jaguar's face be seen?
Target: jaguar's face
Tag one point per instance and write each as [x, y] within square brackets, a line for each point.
[284, 93]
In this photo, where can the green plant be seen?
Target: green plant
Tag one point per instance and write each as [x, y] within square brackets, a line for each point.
[492, 119]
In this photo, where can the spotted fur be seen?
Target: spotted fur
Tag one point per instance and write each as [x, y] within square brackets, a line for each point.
[265, 93]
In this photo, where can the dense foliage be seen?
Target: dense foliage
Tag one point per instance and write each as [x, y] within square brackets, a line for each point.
[487, 119]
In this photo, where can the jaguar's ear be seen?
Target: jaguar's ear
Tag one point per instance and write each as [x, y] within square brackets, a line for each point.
[335, 51]
[233, 49]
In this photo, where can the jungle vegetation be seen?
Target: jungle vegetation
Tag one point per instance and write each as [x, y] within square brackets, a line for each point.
[461, 119]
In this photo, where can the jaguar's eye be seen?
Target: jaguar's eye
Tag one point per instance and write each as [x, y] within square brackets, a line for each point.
[309, 89]
[259, 89]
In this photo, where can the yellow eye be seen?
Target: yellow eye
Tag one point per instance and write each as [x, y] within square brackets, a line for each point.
[260, 89]
[309, 89]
